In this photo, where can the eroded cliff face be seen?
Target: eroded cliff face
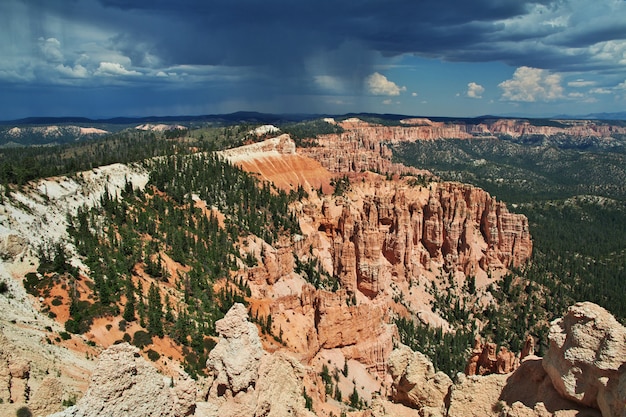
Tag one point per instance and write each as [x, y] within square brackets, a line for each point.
[455, 226]
[383, 245]
[425, 129]
[379, 248]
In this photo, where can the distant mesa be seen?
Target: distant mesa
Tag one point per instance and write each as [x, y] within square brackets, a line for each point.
[159, 127]
[264, 130]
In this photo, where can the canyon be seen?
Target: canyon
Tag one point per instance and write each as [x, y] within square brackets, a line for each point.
[383, 246]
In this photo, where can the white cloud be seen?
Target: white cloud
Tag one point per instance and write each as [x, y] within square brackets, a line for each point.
[387, 102]
[379, 85]
[51, 49]
[475, 90]
[611, 52]
[531, 85]
[414, 94]
[78, 71]
[580, 83]
[622, 86]
[112, 69]
[600, 91]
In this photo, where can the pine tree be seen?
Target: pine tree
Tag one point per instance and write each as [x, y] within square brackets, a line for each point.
[155, 311]
[141, 306]
[129, 308]
[169, 314]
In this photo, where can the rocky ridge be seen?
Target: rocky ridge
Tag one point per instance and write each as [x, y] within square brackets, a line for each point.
[426, 129]
[28, 135]
[368, 146]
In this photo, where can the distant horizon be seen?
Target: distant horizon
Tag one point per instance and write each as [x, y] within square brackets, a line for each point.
[121, 119]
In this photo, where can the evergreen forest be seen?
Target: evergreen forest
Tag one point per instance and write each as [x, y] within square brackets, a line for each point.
[575, 199]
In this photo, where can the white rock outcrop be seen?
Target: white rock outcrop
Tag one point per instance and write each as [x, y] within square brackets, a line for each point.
[234, 362]
[246, 380]
[125, 384]
[586, 360]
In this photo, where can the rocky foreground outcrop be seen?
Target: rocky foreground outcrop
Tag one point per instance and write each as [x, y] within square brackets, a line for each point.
[527, 392]
[234, 362]
[125, 384]
[586, 360]
[583, 375]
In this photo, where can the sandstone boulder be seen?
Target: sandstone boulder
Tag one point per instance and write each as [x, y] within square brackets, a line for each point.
[125, 384]
[529, 392]
[586, 360]
[415, 382]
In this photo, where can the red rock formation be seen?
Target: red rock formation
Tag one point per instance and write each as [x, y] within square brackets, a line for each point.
[396, 229]
[529, 348]
[357, 151]
[363, 146]
[377, 239]
[485, 361]
[473, 362]
[506, 361]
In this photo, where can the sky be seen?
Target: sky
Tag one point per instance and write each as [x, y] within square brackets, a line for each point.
[459, 58]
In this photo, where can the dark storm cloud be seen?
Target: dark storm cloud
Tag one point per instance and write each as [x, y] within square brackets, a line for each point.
[282, 36]
[279, 48]
[279, 31]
